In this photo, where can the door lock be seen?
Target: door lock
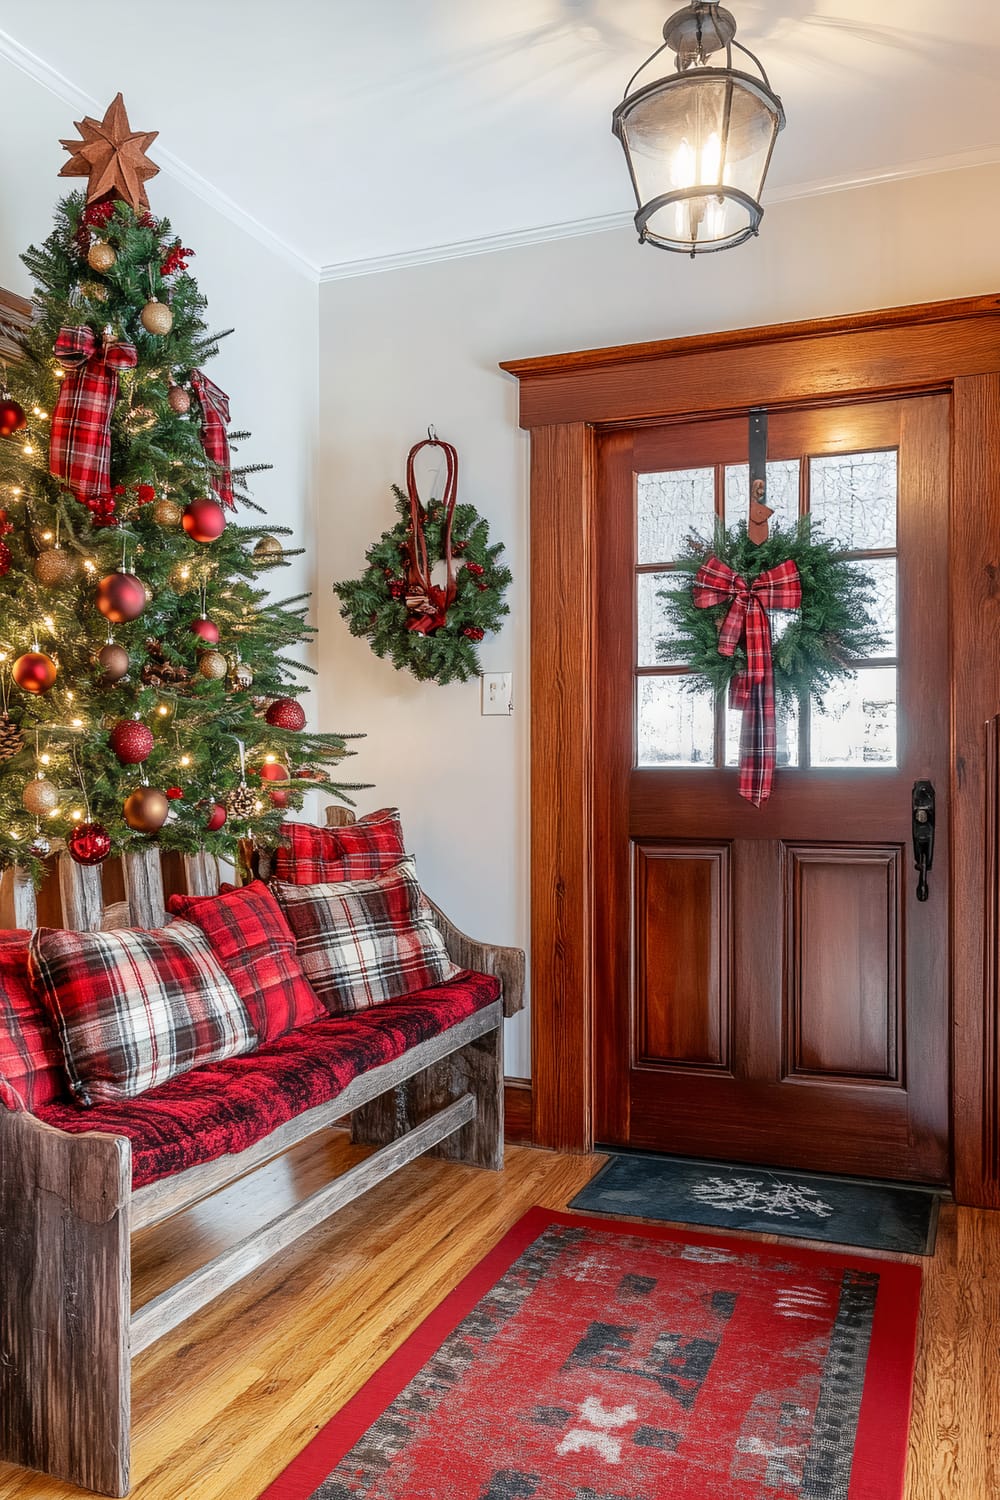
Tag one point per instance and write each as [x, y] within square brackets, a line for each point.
[923, 834]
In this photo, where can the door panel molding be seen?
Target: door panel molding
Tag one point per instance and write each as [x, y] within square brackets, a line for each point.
[952, 347]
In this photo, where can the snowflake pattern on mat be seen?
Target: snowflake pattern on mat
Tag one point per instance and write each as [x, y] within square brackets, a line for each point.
[783, 1200]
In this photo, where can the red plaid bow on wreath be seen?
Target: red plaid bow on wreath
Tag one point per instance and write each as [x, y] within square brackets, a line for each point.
[80, 443]
[752, 690]
[214, 405]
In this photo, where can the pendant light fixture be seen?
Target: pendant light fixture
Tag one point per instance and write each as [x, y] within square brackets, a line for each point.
[698, 142]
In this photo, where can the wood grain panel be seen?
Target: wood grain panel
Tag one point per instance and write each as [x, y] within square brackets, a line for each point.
[682, 992]
[517, 1110]
[842, 996]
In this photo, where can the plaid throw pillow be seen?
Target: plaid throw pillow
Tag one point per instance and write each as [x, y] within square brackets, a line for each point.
[133, 1009]
[31, 1070]
[256, 948]
[364, 942]
[359, 851]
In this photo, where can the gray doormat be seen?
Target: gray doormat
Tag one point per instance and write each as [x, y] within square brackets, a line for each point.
[806, 1205]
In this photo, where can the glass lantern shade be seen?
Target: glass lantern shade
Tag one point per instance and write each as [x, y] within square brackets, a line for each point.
[698, 147]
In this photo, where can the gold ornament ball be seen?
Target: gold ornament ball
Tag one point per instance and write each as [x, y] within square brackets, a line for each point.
[40, 797]
[156, 317]
[101, 257]
[94, 291]
[145, 810]
[240, 676]
[167, 513]
[268, 546]
[54, 567]
[178, 400]
[213, 665]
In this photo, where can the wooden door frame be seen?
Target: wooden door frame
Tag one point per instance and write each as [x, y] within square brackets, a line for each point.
[565, 401]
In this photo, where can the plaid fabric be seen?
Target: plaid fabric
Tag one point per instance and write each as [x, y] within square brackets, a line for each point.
[133, 1009]
[753, 689]
[364, 942]
[214, 437]
[256, 948]
[221, 1108]
[31, 1070]
[309, 855]
[80, 440]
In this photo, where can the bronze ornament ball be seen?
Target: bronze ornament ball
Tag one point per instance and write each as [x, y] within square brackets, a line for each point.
[213, 665]
[167, 513]
[54, 567]
[268, 546]
[40, 797]
[34, 672]
[114, 660]
[101, 257]
[178, 400]
[145, 810]
[156, 317]
[121, 597]
[204, 519]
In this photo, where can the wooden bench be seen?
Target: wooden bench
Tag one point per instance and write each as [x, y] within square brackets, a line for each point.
[67, 1209]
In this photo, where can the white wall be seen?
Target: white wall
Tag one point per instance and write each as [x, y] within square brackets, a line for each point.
[404, 348]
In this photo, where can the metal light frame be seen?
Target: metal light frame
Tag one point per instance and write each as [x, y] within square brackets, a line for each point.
[696, 33]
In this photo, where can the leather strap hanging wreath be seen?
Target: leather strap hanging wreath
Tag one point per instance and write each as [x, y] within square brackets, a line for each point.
[427, 627]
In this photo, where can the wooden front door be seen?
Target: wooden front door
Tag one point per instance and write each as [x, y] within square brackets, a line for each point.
[767, 986]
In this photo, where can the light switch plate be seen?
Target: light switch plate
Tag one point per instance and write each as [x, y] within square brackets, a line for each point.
[498, 692]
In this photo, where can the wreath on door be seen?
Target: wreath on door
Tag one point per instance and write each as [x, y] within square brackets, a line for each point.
[427, 627]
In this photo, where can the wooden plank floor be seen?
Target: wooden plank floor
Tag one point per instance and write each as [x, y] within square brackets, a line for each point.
[221, 1405]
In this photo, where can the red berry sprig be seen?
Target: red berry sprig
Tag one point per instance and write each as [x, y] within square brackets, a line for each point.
[6, 524]
[473, 632]
[176, 259]
[476, 569]
[98, 214]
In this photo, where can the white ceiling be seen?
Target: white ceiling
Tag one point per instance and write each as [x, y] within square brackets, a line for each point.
[361, 133]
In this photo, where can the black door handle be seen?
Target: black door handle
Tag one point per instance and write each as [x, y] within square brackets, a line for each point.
[923, 834]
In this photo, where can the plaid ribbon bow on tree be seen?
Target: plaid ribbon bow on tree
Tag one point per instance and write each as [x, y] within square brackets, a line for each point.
[753, 689]
[214, 405]
[80, 442]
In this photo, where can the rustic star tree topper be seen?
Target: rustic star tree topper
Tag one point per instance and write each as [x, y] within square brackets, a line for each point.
[112, 156]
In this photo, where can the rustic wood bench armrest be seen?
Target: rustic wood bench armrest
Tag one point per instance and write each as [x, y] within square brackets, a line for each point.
[507, 964]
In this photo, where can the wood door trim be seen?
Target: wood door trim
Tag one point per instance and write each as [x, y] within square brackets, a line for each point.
[950, 345]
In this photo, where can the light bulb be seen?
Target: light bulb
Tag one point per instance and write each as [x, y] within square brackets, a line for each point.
[185, 760]
[47, 536]
[56, 812]
[682, 166]
[28, 450]
[45, 758]
[270, 759]
[711, 158]
[77, 814]
[163, 710]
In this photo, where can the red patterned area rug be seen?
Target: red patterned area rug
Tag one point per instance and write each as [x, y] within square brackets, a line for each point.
[585, 1361]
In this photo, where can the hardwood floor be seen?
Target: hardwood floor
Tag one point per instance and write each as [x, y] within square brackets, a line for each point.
[221, 1405]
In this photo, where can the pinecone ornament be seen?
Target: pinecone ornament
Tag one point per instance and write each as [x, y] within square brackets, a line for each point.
[241, 802]
[158, 672]
[11, 738]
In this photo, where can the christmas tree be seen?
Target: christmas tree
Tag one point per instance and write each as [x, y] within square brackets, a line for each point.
[147, 688]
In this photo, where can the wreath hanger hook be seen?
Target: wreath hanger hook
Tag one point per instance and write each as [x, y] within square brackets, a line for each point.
[432, 436]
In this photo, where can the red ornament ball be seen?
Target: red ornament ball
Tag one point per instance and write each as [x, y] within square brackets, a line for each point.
[216, 818]
[205, 630]
[273, 770]
[121, 597]
[34, 672]
[89, 843]
[12, 417]
[145, 810]
[175, 793]
[131, 741]
[4, 559]
[204, 520]
[279, 797]
[285, 713]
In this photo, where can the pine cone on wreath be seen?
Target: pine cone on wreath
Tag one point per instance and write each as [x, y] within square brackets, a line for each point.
[11, 738]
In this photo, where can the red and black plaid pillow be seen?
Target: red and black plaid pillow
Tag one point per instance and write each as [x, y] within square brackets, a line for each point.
[133, 1009]
[359, 851]
[364, 942]
[31, 1070]
[256, 948]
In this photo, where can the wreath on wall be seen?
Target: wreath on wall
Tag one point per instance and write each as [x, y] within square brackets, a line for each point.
[719, 611]
[429, 628]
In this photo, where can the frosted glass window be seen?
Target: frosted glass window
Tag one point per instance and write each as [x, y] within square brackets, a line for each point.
[858, 726]
[853, 499]
[670, 506]
[786, 735]
[674, 726]
[652, 622]
[882, 571]
[782, 492]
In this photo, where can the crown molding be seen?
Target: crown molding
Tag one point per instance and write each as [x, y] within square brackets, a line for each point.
[81, 102]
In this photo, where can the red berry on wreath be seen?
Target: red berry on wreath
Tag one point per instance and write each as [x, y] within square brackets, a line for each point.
[476, 569]
[132, 741]
[5, 559]
[174, 793]
[459, 546]
[482, 587]
[397, 590]
[145, 494]
[285, 713]
[473, 632]
[387, 572]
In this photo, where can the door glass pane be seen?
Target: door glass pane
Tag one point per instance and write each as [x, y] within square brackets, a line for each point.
[786, 735]
[674, 726]
[853, 499]
[882, 571]
[782, 492]
[653, 624]
[670, 505]
[858, 725]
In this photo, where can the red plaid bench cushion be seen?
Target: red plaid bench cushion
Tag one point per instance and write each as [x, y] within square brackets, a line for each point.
[256, 947]
[133, 1009]
[364, 942]
[358, 851]
[31, 1067]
